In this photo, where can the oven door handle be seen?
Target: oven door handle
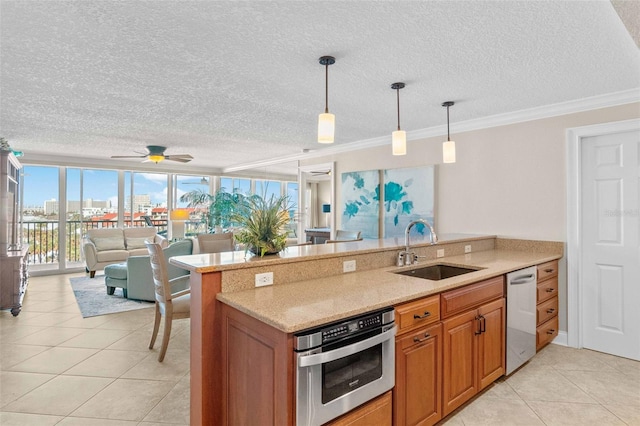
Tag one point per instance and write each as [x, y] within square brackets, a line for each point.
[324, 357]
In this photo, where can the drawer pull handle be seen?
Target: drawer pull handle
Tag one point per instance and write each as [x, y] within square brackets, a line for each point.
[426, 314]
[548, 271]
[479, 326]
[418, 340]
[550, 290]
[551, 331]
[550, 311]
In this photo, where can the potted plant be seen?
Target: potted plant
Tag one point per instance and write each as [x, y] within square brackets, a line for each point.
[221, 206]
[262, 224]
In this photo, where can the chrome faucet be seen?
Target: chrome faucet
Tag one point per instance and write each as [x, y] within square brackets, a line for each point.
[408, 257]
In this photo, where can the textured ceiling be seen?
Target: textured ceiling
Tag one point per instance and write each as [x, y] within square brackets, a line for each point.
[234, 83]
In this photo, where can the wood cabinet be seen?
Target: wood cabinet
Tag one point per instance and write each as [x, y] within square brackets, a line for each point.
[376, 412]
[547, 307]
[473, 341]
[13, 279]
[418, 391]
[257, 372]
[13, 256]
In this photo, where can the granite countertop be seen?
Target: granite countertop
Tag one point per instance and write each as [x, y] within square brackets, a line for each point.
[213, 262]
[301, 305]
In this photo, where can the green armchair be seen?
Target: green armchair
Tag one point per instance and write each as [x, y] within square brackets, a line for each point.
[140, 278]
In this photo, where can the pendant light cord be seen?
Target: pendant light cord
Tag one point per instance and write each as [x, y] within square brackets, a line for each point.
[326, 88]
[448, 138]
[398, 98]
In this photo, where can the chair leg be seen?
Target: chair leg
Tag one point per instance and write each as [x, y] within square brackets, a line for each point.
[92, 274]
[156, 326]
[110, 290]
[168, 319]
[124, 293]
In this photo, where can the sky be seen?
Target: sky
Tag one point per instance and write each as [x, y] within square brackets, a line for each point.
[41, 184]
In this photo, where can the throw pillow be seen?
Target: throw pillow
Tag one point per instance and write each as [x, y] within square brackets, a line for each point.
[136, 243]
[113, 243]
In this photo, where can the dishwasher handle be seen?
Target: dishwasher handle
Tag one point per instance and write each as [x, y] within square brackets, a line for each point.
[523, 279]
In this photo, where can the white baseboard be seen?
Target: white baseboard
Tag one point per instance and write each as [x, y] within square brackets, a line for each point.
[561, 339]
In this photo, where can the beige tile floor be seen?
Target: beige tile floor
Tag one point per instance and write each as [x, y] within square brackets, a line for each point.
[58, 368]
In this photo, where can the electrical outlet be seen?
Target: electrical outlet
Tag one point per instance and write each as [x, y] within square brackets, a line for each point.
[467, 248]
[440, 253]
[264, 279]
[349, 266]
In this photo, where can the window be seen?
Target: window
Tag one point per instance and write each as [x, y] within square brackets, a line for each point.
[231, 185]
[40, 212]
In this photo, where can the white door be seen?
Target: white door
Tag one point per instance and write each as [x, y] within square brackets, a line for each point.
[610, 243]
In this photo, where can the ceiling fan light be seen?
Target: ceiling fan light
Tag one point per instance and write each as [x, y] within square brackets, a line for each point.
[399, 142]
[326, 127]
[449, 152]
[156, 158]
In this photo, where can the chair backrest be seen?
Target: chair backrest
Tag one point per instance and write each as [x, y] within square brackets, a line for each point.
[216, 243]
[342, 235]
[159, 270]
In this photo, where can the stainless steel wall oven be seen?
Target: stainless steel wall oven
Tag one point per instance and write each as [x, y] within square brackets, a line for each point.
[343, 365]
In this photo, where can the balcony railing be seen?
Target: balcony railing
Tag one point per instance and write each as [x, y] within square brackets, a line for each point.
[42, 238]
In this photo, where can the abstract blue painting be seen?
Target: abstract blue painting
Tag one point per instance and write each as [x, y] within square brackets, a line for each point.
[361, 202]
[408, 195]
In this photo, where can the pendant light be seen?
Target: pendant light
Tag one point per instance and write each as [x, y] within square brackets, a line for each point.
[448, 147]
[326, 121]
[399, 137]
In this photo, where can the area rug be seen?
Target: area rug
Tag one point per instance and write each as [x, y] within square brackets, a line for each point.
[91, 295]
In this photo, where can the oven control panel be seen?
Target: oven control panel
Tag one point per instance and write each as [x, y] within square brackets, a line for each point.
[352, 326]
[342, 329]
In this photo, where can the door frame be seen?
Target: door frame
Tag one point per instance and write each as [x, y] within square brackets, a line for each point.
[575, 138]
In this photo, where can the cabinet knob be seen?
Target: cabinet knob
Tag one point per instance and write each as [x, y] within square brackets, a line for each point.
[425, 315]
[551, 331]
[550, 290]
[548, 271]
[550, 311]
[418, 340]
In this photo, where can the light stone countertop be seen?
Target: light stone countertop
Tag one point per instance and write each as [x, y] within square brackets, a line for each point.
[213, 262]
[305, 304]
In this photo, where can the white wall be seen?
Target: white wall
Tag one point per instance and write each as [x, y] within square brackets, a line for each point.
[508, 181]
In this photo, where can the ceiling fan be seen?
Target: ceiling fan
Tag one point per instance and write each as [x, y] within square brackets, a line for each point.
[155, 153]
[203, 181]
[320, 172]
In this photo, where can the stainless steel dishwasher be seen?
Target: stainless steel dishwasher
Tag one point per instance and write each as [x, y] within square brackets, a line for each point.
[521, 317]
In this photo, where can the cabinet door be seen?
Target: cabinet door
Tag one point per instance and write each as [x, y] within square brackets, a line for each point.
[491, 342]
[417, 396]
[459, 359]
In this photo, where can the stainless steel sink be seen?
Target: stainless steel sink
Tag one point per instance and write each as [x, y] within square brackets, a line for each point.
[437, 272]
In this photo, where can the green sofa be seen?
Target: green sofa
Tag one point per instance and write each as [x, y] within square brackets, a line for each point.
[139, 277]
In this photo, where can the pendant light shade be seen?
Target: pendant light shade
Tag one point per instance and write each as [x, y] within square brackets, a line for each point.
[399, 137]
[448, 147]
[326, 121]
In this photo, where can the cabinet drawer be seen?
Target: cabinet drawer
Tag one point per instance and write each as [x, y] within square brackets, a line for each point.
[417, 313]
[547, 310]
[547, 270]
[546, 332]
[471, 296]
[547, 289]
[376, 412]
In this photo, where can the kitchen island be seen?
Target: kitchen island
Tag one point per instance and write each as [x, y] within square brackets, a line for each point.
[310, 289]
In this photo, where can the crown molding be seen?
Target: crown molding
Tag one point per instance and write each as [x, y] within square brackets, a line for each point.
[547, 111]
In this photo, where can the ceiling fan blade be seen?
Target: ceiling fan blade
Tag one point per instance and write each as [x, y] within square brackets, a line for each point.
[128, 156]
[182, 158]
